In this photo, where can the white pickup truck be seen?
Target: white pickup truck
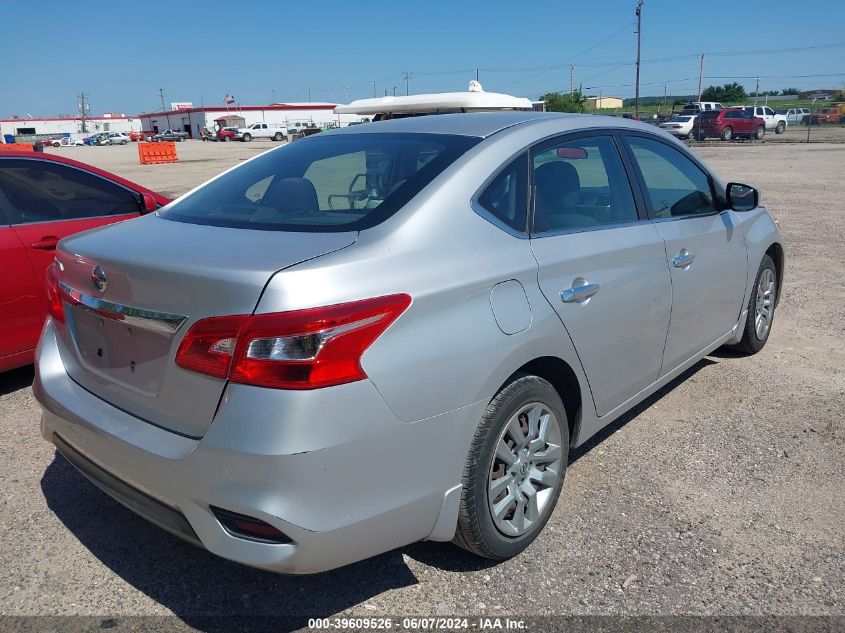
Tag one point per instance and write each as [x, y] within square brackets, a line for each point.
[774, 121]
[274, 131]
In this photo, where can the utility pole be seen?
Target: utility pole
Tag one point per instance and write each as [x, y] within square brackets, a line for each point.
[309, 95]
[664, 95]
[476, 74]
[274, 95]
[571, 79]
[374, 90]
[700, 76]
[161, 94]
[407, 82]
[394, 91]
[757, 91]
[83, 108]
[639, 36]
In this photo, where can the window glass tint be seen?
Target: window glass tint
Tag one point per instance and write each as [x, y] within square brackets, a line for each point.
[712, 114]
[342, 182]
[506, 196]
[675, 186]
[40, 191]
[580, 184]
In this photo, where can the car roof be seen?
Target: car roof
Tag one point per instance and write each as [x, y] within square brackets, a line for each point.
[484, 124]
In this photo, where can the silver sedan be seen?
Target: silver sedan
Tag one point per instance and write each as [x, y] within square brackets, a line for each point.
[396, 331]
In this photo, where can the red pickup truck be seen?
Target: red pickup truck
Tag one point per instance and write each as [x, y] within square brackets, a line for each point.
[727, 124]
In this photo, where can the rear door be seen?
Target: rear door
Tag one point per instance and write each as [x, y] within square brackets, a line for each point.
[706, 255]
[47, 201]
[602, 263]
[20, 305]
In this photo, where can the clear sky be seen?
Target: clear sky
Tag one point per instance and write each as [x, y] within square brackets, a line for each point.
[122, 52]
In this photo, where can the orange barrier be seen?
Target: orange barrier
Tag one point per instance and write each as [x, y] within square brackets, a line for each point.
[18, 147]
[154, 153]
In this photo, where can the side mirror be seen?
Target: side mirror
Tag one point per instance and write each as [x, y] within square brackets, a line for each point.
[148, 203]
[742, 197]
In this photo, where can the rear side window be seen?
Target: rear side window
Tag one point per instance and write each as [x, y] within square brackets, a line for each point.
[506, 197]
[325, 183]
[675, 186]
[712, 114]
[41, 191]
[580, 184]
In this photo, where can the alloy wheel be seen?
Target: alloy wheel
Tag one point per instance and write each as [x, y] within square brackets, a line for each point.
[765, 303]
[526, 469]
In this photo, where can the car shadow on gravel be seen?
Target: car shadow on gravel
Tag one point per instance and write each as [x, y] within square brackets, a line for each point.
[16, 379]
[621, 421]
[207, 592]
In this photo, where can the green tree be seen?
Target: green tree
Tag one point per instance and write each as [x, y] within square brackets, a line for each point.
[789, 91]
[564, 102]
[730, 93]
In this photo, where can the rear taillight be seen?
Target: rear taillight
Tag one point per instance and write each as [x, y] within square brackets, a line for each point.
[301, 349]
[54, 294]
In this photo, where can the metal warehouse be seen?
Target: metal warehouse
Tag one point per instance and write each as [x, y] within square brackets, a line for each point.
[192, 120]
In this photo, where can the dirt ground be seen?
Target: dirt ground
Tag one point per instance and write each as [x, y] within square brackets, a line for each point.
[722, 494]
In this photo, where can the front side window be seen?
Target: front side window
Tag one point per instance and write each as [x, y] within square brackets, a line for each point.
[675, 186]
[506, 197]
[344, 182]
[40, 191]
[580, 184]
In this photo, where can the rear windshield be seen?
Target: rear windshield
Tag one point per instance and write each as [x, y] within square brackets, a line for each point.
[710, 114]
[323, 183]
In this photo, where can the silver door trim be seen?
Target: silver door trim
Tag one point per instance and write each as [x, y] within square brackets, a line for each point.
[140, 317]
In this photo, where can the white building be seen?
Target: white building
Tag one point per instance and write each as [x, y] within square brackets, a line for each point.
[192, 120]
[69, 125]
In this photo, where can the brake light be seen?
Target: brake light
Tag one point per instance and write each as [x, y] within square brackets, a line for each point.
[54, 294]
[301, 349]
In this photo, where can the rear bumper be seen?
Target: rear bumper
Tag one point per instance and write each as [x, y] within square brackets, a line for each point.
[333, 469]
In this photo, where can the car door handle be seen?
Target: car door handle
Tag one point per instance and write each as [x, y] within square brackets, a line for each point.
[683, 259]
[46, 243]
[580, 291]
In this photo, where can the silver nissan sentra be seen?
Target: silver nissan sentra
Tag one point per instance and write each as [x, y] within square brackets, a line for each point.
[394, 332]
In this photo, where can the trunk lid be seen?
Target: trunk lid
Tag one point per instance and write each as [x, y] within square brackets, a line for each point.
[157, 277]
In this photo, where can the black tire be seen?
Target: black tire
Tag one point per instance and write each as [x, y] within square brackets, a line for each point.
[226, 139]
[277, 136]
[727, 134]
[781, 128]
[476, 530]
[246, 138]
[123, 142]
[751, 343]
[759, 133]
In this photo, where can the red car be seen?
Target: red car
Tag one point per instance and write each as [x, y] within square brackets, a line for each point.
[728, 123]
[140, 136]
[44, 198]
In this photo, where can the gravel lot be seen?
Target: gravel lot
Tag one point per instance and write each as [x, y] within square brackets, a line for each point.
[723, 494]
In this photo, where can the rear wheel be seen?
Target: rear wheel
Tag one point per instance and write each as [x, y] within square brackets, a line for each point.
[514, 470]
[781, 128]
[759, 133]
[727, 134]
[761, 309]
[277, 136]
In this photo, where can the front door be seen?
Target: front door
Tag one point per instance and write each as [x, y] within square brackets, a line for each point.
[602, 265]
[705, 251]
[20, 304]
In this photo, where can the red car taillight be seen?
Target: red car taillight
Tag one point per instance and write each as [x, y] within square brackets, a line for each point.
[54, 294]
[301, 349]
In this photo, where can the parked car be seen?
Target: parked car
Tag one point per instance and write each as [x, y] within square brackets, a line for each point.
[227, 134]
[795, 116]
[826, 115]
[67, 141]
[729, 123]
[274, 131]
[680, 125]
[43, 198]
[401, 352]
[170, 135]
[775, 122]
[694, 107]
[143, 135]
[117, 138]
